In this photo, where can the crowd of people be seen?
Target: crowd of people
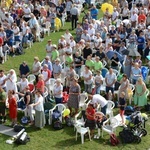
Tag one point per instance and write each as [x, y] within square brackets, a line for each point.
[107, 43]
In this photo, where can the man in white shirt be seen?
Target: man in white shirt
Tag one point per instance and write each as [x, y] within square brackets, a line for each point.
[85, 36]
[91, 31]
[2, 80]
[134, 19]
[27, 12]
[115, 15]
[49, 46]
[110, 80]
[98, 99]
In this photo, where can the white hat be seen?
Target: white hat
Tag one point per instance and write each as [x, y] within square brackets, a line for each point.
[54, 45]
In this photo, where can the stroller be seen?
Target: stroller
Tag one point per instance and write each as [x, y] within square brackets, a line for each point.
[135, 128]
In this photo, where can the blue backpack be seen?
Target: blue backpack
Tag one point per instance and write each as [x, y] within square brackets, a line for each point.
[56, 114]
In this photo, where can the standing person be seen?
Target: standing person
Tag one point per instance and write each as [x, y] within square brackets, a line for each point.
[39, 110]
[110, 80]
[90, 118]
[78, 62]
[11, 80]
[128, 65]
[79, 31]
[74, 93]
[140, 98]
[74, 16]
[24, 69]
[58, 89]
[57, 69]
[124, 86]
[2, 105]
[94, 12]
[40, 84]
[88, 80]
[49, 48]
[122, 104]
[12, 107]
[54, 54]
[59, 10]
[98, 99]
[28, 99]
[98, 81]
[2, 80]
[36, 68]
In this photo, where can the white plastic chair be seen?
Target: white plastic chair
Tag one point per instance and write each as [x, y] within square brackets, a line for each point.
[45, 94]
[116, 72]
[82, 132]
[83, 100]
[47, 28]
[79, 121]
[132, 88]
[51, 85]
[59, 107]
[31, 78]
[110, 107]
[110, 125]
[104, 63]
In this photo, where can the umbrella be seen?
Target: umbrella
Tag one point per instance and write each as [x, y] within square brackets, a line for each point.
[125, 52]
[105, 6]
[134, 52]
[51, 3]
[110, 54]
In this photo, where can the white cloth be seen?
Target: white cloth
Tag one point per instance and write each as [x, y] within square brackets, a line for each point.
[40, 106]
[2, 81]
[58, 89]
[110, 78]
[98, 99]
[87, 75]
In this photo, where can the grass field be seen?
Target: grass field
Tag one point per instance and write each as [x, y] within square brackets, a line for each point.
[48, 138]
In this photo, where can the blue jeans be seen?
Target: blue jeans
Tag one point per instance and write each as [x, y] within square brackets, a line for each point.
[98, 90]
[78, 71]
[103, 109]
[88, 88]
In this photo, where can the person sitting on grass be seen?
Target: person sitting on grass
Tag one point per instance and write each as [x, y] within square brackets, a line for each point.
[122, 104]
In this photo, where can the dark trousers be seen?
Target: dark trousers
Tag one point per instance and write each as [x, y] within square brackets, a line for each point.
[74, 20]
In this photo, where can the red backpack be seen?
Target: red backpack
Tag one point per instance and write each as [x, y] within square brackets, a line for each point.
[113, 139]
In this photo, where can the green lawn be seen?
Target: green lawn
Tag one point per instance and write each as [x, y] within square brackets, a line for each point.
[48, 138]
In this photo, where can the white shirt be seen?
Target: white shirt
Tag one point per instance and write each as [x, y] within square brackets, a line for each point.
[98, 99]
[36, 66]
[58, 89]
[72, 44]
[16, 30]
[23, 84]
[68, 50]
[98, 79]
[2, 80]
[45, 76]
[67, 36]
[115, 15]
[39, 107]
[110, 78]
[91, 32]
[25, 30]
[87, 75]
[62, 42]
[134, 17]
[97, 41]
[27, 12]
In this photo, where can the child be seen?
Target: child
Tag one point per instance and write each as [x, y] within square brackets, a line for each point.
[90, 115]
[122, 104]
[12, 106]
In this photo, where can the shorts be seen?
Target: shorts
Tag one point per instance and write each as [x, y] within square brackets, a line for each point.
[121, 112]
[109, 88]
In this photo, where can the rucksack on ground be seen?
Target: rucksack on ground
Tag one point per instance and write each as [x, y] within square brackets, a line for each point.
[18, 128]
[57, 124]
[113, 139]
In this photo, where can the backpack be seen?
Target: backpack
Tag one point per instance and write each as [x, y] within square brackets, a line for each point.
[24, 120]
[56, 114]
[18, 128]
[57, 124]
[126, 136]
[129, 110]
[23, 139]
[113, 139]
[69, 121]
[19, 50]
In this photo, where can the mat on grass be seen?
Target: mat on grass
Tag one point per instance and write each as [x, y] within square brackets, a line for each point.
[7, 130]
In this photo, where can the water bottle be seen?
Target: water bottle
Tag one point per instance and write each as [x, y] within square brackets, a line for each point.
[109, 95]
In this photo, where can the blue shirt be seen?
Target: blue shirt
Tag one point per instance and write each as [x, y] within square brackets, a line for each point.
[9, 33]
[141, 42]
[94, 13]
[136, 73]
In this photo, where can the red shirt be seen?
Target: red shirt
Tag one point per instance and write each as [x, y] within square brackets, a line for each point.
[40, 85]
[90, 111]
[1, 41]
